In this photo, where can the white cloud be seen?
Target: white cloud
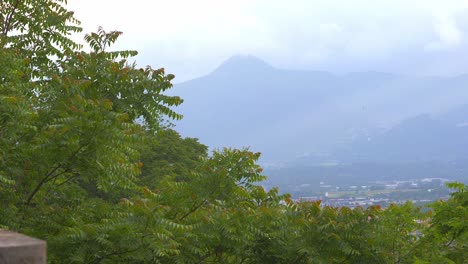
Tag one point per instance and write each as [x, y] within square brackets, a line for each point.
[193, 37]
[330, 29]
[445, 25]
[450, 36]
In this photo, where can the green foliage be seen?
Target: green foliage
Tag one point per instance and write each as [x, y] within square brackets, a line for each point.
[87, 163]
[166, 154]
[448, 232]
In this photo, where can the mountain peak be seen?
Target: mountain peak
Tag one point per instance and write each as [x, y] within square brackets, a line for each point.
[243, 64]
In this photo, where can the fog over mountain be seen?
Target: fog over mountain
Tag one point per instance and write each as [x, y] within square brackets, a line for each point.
[415, 37]
[288, 114]
[418, 139]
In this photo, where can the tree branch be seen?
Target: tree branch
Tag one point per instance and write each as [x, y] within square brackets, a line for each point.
[50, 173]
[193, 209]
[41, 183]
[9, 17]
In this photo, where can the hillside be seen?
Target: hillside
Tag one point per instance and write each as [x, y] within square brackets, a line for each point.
[286, 114]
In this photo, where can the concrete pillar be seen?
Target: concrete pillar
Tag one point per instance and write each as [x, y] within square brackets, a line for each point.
[20, 249]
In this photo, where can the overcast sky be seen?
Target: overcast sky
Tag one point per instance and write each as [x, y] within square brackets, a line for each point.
[192, 37]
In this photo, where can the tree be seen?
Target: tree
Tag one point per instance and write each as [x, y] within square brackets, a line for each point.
[167, 154]
[68, 117]
[448, 229]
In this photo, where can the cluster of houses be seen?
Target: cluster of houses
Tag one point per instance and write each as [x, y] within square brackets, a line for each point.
[381, 193]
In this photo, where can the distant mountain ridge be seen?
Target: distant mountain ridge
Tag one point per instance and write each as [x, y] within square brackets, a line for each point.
[242, 65]
[286, 113]
[418, 139]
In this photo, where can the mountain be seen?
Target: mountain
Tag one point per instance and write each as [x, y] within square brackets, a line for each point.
[418, 139]
[458, 116]
[240, 65]
[286, 114]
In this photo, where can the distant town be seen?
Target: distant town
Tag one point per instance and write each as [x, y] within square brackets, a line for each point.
[382, 193]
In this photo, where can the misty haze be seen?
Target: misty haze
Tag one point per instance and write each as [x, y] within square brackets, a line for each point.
[326, 125]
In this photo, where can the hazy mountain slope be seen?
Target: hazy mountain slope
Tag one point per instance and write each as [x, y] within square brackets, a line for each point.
[457, 115]
[284, 113]
[421, 138]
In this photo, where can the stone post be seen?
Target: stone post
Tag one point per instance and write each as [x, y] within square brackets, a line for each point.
[20, 249]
